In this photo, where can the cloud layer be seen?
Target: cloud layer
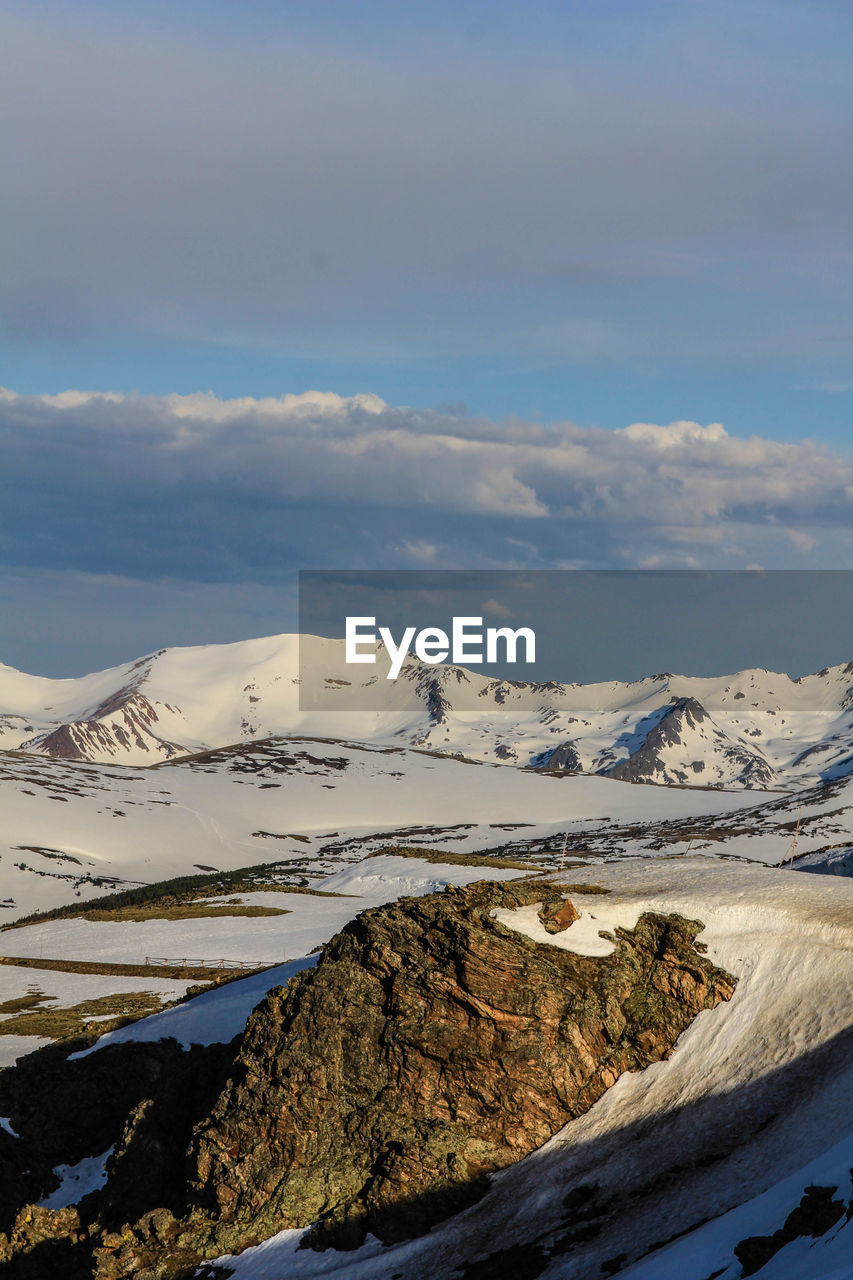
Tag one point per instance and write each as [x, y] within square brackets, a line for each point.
[228, 490]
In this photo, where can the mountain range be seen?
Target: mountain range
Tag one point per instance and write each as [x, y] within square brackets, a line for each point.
[754, 729]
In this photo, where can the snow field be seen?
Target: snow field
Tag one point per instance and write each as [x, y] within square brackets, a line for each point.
[709, 1249]
[77, 1180]
[141, 826]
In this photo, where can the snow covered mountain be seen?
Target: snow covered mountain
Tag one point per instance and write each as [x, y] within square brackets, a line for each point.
[754, 729]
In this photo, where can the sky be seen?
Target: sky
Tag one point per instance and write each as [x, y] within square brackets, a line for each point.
[369, 285]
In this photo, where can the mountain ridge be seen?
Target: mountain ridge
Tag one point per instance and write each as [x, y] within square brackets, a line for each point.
[754, 729]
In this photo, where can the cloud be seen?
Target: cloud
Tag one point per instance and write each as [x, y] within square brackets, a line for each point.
[804, 542]
[293, 194]
[675, 435]
[230, 490]
[425, 553]
[497, 609]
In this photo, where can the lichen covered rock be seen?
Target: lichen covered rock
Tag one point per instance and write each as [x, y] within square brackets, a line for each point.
[557, 916]
[429, 1048]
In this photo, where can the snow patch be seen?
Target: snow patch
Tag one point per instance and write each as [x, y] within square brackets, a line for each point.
[597, 914]
[78, 1180]
[14, 1047]
[386, 878]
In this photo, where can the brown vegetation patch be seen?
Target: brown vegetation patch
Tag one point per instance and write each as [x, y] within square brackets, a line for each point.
[90, 1017]
[442, 857]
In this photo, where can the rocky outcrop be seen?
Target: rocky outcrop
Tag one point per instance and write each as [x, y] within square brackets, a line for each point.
[141, 1099]
[563, 759]
[121, 724]
[430, 1047]
[557, 916]
[685, 747]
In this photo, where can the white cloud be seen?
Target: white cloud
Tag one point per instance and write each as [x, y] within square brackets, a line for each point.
[675, 434]
[802, 541]
[496, 609]
[204, 406]
[422, 553]
[678, 484]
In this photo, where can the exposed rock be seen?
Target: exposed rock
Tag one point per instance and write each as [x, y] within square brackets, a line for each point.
[143, 1099]
[557, 916]
[657, 759]
[813, 1216]
[430, 1047]
[564, 758]
[44, 1243]
[437, 703]
[121, 724]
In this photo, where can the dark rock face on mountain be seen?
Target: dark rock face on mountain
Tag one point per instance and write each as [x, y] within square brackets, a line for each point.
[687, 722]
[565, 757]
[430, 1047]
[121, 722]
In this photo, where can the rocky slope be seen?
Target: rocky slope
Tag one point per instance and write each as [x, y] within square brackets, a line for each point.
[686, 747]
[430, 1047]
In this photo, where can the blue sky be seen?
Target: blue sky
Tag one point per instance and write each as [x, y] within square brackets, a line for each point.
[499, 219]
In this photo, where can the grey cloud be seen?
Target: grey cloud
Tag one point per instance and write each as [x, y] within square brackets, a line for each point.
[194, 192]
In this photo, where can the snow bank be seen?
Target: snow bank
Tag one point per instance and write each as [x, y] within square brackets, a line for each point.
[214, 1017]
[386, 878]
[709, 1249]
[597, 914]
